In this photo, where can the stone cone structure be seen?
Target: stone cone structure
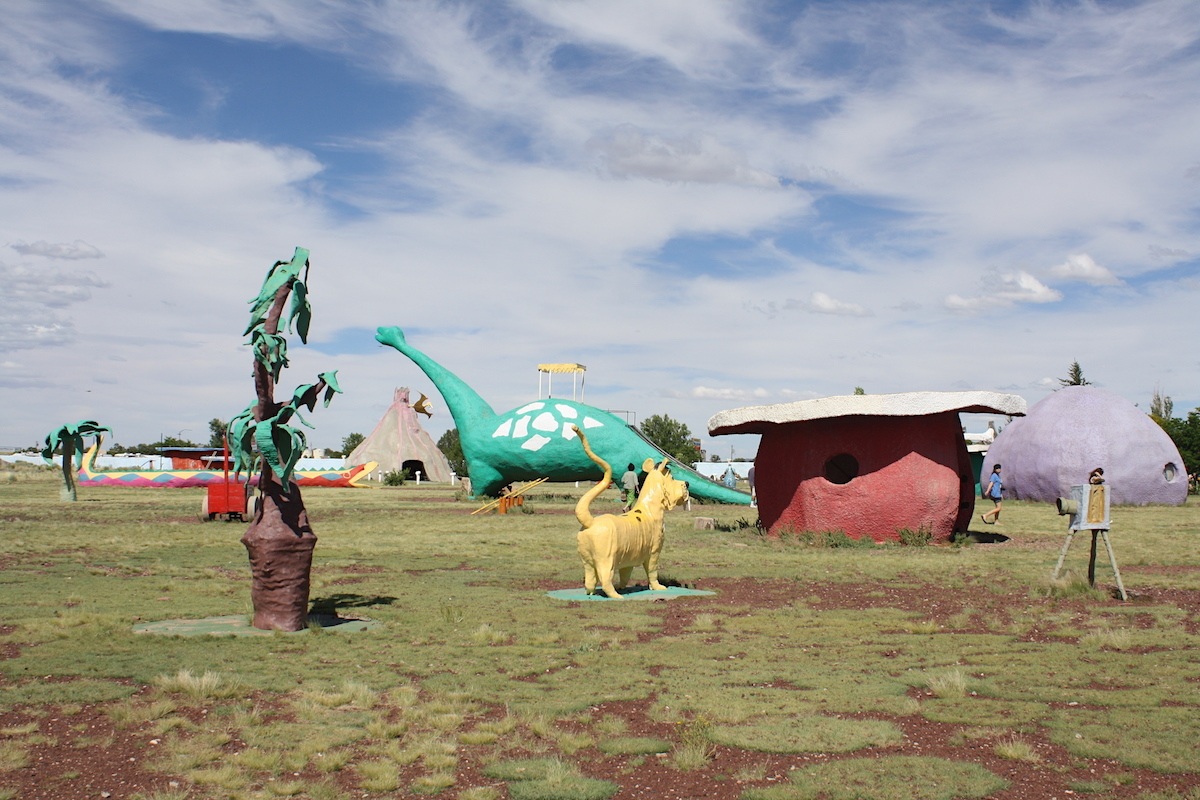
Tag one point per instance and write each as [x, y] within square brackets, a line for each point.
[1078, 428]
[399, 442]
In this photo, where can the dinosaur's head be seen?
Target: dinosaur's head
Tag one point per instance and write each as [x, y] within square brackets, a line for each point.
[391, 336]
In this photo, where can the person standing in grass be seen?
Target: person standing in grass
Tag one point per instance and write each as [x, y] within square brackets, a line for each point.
[995, 493]
[629, 483]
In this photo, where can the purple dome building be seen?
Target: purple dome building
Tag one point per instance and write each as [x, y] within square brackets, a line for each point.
[1078, 428]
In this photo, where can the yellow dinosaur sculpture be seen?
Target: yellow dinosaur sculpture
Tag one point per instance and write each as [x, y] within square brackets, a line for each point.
[616, 543]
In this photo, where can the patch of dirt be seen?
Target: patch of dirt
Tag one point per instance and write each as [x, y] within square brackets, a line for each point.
[84, 754]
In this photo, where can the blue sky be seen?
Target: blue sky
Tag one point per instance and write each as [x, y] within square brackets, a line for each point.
[710, 204]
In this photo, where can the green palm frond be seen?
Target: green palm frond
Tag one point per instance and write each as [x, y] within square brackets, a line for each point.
[270, 349]
[331, 386]
[280, 446]
[278, 276]
[70, 438]
[240, 434]
[300, 312]
[272, 442]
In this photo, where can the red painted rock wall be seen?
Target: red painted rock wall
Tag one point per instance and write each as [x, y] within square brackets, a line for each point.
[911, 471]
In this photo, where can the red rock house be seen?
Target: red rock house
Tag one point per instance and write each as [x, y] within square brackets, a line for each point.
[195, 457]
[867, 465]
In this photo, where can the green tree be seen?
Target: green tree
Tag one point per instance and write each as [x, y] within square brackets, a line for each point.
[68, 439]
[1074, 376]
[1185, 433]
[217, 428]
[1161, 407]
[451, 446]
[151, 448]
[351, 441]
[859, 390]
[174, 441]
[671, 436]
[280, 540]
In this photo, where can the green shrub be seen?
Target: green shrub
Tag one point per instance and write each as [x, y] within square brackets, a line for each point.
[921, 537]
[833, 539]
[397, 477]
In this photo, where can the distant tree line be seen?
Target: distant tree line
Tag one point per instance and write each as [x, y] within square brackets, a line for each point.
[1185, 432]
[217, 428]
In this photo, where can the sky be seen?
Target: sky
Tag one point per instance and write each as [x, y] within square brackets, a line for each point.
[709, 203]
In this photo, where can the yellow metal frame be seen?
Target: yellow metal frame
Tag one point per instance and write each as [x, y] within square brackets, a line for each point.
[578, 373]
[515, 493]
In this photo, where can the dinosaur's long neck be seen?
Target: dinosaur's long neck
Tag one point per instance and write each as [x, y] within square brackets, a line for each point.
[87, 467]
[466, 406]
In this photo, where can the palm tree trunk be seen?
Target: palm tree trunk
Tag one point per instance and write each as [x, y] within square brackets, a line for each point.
[280, 545]
[67, 493]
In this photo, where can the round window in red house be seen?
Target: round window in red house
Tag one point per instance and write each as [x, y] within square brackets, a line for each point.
[841, 469]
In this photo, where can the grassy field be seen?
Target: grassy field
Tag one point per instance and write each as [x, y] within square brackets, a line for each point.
[814, 671]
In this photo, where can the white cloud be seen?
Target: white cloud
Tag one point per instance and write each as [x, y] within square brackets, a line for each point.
[1168, 253]
[817, 303]
[47, 287]
[897, 148]
[730, 394]
[1081, 267]
[32, 304]
[821, 303]
[628, 152]
[1006, 290]
[70, 251]
[693, 36]
[254, 19]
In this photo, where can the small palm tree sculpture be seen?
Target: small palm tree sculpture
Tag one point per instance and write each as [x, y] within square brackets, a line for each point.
[70, 439]
[280, 540]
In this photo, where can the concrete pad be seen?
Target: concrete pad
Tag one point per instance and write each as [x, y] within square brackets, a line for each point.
[239, 625]
[629, 593]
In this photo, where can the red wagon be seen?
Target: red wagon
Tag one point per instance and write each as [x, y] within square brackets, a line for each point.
[225, 498]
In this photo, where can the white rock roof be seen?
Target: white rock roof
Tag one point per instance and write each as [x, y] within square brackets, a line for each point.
[757, 419]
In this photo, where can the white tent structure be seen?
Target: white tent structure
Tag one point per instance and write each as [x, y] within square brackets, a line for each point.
[399, 442]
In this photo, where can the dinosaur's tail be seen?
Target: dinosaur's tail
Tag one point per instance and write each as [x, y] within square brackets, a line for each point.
[583, 511]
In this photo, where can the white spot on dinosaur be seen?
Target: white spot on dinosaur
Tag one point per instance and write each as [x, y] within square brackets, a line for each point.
[503, 429]
[568, 412]
[568, 432]
[521, 429]
[545, 421]
[588, 422]
[534, 406]
[535, 442]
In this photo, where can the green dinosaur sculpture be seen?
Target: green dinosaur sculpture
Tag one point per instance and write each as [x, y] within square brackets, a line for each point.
[536, 440]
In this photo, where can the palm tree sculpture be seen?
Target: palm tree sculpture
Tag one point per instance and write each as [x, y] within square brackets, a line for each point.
[70, 439]
[279, 541]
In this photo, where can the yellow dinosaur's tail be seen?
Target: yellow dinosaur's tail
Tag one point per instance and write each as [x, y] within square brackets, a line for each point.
[583, 511]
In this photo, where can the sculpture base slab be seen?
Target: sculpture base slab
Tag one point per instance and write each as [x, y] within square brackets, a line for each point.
[629, 593]
[239, 625]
